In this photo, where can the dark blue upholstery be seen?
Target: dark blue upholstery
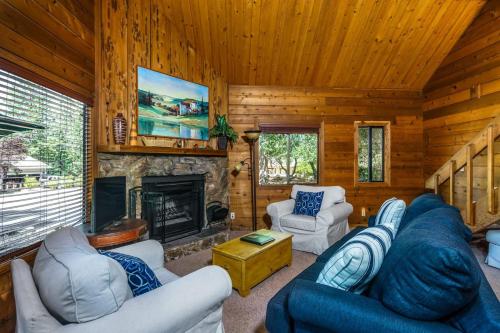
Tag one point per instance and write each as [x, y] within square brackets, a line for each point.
[430, 255]
[305, 306]
[421, 204]
[334, 310]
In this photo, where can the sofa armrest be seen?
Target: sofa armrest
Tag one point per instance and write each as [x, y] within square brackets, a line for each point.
[334, 310]
[280, 208]
[174, 307]
[150, 251]
[334, 214]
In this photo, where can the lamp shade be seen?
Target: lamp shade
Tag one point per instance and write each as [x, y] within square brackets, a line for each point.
[253, 134]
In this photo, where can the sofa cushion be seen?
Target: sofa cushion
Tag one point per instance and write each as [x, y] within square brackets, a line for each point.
[421, 204]
[301, 222]
[390, 213]
[429, 272]
[308, 203]
[353, 266]
[74, 281]
[141, 277]
[332, 194]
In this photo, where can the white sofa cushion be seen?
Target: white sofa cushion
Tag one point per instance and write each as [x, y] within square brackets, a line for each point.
[76, 283]
[301, 222]
[332, 194]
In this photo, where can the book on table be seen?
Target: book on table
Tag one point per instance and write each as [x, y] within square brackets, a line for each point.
[257, 239]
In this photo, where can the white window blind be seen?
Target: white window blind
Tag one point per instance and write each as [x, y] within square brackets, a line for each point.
[43, 148]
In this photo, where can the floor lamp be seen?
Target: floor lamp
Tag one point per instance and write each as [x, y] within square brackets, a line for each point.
[252, 136]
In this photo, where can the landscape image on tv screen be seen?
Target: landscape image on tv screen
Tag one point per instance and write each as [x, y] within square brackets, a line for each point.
[168, 106]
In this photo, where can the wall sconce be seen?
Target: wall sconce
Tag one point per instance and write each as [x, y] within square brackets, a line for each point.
[251, 136]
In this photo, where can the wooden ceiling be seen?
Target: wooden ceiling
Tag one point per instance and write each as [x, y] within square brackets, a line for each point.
[343, 43]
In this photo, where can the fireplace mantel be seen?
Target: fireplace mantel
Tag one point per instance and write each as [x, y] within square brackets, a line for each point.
[150, 150]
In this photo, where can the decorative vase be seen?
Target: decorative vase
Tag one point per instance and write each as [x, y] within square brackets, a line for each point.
[222, 142]
[119, 129]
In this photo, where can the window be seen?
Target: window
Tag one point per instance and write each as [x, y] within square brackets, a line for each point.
[288, 155]
[42, 162]
[372, 151]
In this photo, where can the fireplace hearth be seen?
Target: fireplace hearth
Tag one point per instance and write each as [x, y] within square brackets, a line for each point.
[173, 205]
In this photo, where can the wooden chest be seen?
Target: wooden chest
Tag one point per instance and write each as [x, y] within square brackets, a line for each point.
[249, 264]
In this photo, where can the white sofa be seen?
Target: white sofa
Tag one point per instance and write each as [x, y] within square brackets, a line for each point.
[313, 234]
[192, 303]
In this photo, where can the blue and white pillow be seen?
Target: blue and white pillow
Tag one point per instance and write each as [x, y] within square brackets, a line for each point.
[357, 262]
[308, 203]
[140, 276]
[391, 213]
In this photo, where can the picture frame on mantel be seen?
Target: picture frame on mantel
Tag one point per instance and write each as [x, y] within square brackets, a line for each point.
[170, 108]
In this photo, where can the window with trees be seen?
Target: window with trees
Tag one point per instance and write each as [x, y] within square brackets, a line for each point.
[288, 155]
[43, 151]
[372, 151]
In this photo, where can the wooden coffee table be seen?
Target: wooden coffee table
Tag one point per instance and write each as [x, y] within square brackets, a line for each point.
[249, 264]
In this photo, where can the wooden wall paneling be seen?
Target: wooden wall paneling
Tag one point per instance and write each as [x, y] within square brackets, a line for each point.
[141, 33]
[34, 36]
[249, 105]
[456, 107]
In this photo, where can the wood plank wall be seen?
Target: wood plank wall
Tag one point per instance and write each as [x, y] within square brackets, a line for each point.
[53, 39]
[336, 110]
[463, 95]
[139, 33]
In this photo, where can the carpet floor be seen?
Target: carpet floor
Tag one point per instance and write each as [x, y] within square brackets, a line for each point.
[247, 314]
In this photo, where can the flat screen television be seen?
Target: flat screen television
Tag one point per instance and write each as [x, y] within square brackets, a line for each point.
[108, 202]
[171, 107]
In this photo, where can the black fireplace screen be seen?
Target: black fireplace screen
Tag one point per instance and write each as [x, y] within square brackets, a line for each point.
[172, 205]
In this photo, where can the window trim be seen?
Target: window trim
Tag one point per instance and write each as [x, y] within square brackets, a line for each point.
[293, 128]
[386, 149]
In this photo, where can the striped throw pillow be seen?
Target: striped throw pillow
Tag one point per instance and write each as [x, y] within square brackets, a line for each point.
[355, 264]
[391, 213]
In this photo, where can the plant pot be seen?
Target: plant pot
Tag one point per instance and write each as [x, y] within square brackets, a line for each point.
[222, 142]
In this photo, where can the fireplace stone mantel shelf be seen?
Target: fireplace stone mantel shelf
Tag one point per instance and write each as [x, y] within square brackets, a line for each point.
[160, 151]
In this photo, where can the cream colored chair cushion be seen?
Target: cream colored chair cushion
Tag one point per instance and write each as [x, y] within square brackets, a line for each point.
[301, 222]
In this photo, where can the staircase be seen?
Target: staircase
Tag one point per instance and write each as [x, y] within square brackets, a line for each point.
[470, 179]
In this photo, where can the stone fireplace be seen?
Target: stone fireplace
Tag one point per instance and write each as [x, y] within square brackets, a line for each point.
[142, 170]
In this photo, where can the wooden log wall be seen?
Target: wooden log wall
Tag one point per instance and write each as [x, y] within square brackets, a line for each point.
[139, 33]
[463, 95]
[336, 110]
[54, 39]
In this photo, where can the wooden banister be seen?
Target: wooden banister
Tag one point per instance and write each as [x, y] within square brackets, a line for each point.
[490, 189]
[453, 169]
[480, 141]
[469, 205]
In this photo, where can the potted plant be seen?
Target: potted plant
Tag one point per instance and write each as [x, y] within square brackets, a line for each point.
[223, 132]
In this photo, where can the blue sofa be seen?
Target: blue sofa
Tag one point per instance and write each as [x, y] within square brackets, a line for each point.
[306, 306]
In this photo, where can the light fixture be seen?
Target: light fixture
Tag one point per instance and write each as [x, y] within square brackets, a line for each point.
[251, 136]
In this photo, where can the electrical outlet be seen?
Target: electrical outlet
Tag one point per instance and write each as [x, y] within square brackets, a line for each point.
[232, 215]
[363, 211]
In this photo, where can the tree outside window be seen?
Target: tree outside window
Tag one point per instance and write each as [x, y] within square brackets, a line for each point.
[372, 150]
[288, 158]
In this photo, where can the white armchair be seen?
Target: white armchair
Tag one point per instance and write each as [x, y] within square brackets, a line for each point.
[313, 234]
[192, 303]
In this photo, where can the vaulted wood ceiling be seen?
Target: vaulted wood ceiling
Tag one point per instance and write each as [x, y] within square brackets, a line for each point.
[342, 43]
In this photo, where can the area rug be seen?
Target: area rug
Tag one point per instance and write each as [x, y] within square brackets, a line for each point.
[247, 314]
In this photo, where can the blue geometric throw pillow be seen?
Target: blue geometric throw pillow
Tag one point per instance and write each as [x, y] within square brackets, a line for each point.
[141, 278]
[308, 203]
